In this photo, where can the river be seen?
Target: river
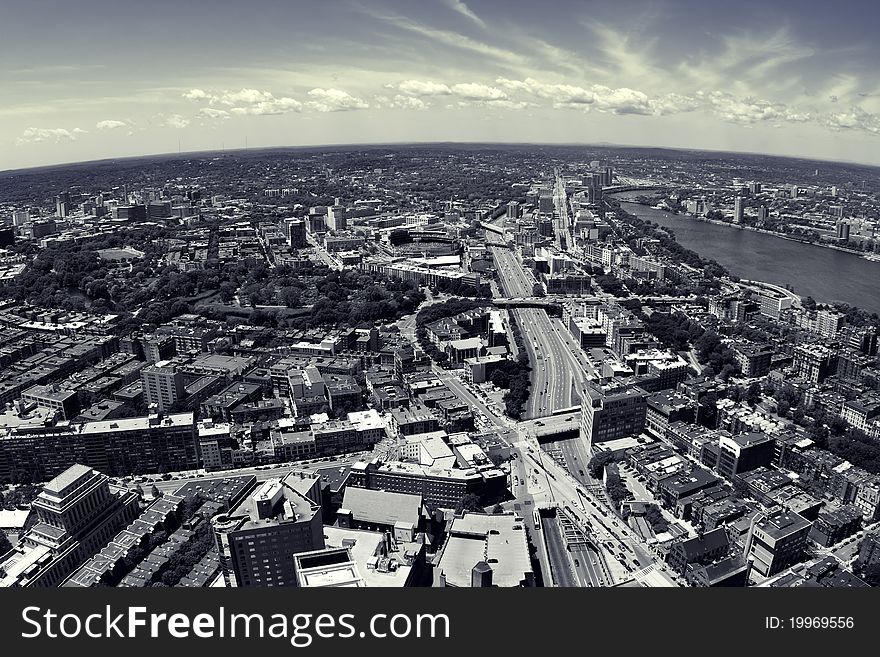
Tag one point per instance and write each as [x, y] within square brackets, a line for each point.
[825, 274]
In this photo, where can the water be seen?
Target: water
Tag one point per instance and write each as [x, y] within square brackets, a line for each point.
[825, 274]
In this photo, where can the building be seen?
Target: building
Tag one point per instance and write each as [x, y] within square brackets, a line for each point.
[77, 513]
[122, 447]
[700, 550]
[814, 362]
[754, 359]
[612, 413]
[744, 452]
[776, 540]
[163, 386]
[64, 402]
[258, 538]
[357, 558]
[738, 210]
[835, 524]
[484, 551]
[438, 487]
[374, 510]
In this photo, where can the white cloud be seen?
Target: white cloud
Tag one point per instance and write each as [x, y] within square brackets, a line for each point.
[464, 10]
[474, 91]
[334, 100]
[621, 101]
[408, 102]
[195, 94]
[213, 113]
[57, 135]
[110, 124]
[243, 102]
[748, 111]
[855, 119]
[420, 88]
[175, 121]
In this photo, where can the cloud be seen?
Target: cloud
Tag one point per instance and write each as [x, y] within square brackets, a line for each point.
[474, 91]
[420, 88]
[195, 94]
[175, 121]
[56, 135]
[243, 102]
[464, 10]
[747, 111]
[562, 95]
[621, 101]
[334, 100]
[110, 124]
[408, 102]
[213, 113]
[855, 119]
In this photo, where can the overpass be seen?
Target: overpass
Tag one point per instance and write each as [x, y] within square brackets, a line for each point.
[492, 228]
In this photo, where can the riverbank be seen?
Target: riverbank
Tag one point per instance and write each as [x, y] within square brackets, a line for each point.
[827, 275]
[754, 229]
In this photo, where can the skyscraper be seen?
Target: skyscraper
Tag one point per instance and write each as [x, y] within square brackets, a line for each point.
[738, 210]
[843, 231]
[163, 385]
[62, 204]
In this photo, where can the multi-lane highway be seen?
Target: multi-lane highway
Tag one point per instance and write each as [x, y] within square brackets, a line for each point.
[559, 366]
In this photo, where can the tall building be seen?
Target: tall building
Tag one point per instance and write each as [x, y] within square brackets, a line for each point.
[163, 385]
[609, 413]
[814, 362]
[762, 213]
[77, 514]
[62, 204]
[296, 233]
[257, 539]
[608, 177]
[793, 191]
[514, 211]
[337, 217]
[843, 231]
[20, 217]
[738, 210]
[776, 541]
[755, 188]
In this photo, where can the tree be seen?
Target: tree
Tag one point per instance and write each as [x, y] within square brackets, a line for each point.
[498, 509]
[753, 394]
[5, 544]
[469, 502]
[155, 492]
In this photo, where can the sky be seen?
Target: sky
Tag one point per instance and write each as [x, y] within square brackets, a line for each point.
[97, 79]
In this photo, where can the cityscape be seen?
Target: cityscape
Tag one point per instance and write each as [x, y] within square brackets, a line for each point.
[573, 362]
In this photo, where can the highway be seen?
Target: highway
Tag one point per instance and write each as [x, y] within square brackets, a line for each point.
[554, 367]
[623, 549]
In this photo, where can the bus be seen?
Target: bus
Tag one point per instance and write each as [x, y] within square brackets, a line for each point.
[537, 520]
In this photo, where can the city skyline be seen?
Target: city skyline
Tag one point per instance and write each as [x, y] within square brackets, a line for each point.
[748, 78]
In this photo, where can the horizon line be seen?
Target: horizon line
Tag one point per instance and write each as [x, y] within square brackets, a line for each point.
[380, 144]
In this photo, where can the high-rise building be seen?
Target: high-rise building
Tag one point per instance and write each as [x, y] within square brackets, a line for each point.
[611, 413]
[337, 217]
[514, 211]
[793, 191]
[20, 217]
[608, 177]
[776, 541]
[762, 213]
[163, 385]
[843, 231]
[755, 188]
[296, 233]
[738, 210]
[257, 539]
[77, 513]
[814, 362]
[62, 204]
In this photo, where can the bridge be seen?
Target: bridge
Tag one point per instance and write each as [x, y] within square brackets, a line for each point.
[492, 228]
[632, 188]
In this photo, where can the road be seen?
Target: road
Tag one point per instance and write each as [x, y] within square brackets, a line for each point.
[560, 562]
[554, 368]
[261, 472]
[618, 541]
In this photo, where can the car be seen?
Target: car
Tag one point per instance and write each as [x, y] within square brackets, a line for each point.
[577, 563]
[581, 473]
